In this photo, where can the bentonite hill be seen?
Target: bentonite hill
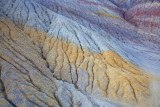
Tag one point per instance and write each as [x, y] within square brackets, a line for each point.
[79, 53]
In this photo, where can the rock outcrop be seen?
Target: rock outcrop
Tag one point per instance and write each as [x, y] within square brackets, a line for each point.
[66, 53]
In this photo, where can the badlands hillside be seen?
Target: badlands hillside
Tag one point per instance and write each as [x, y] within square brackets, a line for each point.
[79, 53]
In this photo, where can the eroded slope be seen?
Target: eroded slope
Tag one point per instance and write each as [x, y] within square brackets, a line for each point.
[36, 69]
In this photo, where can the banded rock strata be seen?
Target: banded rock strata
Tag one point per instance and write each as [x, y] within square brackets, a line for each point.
[145, 15]
[68, 59]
